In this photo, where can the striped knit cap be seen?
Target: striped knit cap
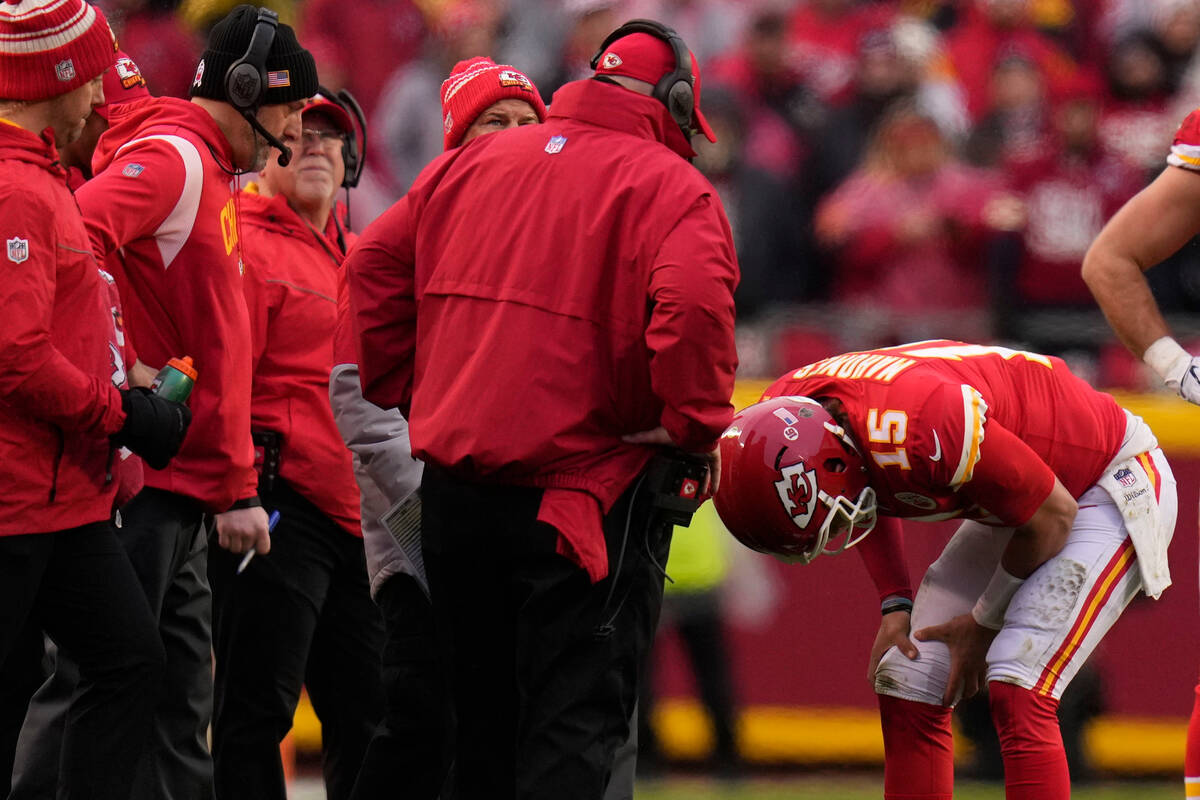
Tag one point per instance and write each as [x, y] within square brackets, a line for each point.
[476, 84]
[50, 47]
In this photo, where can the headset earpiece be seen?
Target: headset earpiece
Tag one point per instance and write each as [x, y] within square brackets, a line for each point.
[674, 90]
[246, 78]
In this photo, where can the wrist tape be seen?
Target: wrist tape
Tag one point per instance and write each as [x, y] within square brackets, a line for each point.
[1167, 358]
[990, 607]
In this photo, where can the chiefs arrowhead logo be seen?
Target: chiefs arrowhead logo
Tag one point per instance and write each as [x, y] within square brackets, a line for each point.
[798, 493]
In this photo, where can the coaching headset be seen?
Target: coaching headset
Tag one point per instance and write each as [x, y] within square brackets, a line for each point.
[246, 79]
[354, 146]
[674, 90]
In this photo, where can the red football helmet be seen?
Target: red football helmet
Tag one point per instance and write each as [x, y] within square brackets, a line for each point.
[792, 480]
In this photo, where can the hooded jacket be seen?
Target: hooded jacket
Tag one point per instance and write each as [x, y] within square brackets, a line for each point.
[60, 363]
[291, 287]
[572, 282]
[161, 198]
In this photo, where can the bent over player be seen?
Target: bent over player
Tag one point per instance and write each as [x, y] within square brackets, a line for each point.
[1068, 503]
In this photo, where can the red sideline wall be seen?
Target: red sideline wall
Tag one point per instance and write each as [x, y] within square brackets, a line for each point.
[813, 650]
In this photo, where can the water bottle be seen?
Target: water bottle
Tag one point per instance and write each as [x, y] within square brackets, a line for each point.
[175, 380]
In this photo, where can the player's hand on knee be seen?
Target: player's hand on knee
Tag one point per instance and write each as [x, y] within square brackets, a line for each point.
[968, 642]
[893, 632]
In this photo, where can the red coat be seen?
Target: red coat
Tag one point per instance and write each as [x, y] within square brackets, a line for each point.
[291, 289]
[59, 359]
[571, 282]
[163, 200]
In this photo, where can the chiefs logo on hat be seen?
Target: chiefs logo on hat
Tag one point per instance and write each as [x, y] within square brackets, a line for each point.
[129, 73]
[510, 77]
[611, 61]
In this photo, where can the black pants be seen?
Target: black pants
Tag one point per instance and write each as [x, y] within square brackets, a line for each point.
[412, 745]
[298, 616]
[544, 665]
[163, 535]
[79, 587]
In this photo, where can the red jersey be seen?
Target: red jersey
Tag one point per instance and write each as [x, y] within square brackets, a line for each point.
[949, 429]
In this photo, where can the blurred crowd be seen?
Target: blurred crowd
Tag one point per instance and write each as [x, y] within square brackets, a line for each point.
[892, 170]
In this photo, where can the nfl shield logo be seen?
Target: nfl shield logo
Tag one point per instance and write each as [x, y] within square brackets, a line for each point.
[18, 250]
[1125, 477]
[555, 145]
[65, 70]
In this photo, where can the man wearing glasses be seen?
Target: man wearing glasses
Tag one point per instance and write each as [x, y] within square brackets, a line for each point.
[302, 613]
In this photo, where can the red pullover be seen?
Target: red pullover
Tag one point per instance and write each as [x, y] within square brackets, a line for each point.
[60, 363]
[599, 303]
[162, 197]
[291, 291]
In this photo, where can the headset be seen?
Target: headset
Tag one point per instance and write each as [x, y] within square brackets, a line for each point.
[246, 79]
[354, 146]
[675, 89]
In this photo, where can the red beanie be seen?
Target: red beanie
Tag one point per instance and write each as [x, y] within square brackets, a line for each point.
[473, 86]
[51, 47]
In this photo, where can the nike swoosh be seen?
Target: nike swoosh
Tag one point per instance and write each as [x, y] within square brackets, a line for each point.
[937, 453]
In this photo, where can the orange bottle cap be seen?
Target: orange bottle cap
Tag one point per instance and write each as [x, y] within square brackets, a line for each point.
[184, 365]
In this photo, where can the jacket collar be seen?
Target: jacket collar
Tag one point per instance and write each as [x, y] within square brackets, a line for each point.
[19, 144]
[275, 213]
[617, 108]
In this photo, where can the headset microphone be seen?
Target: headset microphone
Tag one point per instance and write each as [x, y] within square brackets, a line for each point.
[285, 152]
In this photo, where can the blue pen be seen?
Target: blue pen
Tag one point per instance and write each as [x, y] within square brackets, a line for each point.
[272, 521]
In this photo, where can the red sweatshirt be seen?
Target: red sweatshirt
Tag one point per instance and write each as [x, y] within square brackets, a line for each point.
[597, 303]
[60, 362]
[291, 292]
[162, 197]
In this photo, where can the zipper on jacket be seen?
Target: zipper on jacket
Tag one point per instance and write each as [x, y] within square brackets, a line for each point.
[58, 454]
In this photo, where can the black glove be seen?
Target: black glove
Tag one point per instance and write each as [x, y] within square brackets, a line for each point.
[154, 426]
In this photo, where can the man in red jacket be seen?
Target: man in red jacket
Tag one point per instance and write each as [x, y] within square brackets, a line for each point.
[64, 411]
[161, 199]
[560, 335]
[301, 616]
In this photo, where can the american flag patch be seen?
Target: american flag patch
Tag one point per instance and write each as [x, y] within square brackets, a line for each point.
[278, 78]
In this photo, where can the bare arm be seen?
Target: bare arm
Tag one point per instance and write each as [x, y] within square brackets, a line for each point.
[1150, 227]
[1040, 539]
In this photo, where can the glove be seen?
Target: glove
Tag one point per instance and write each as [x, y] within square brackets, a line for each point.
[154, 426]
[1177, 367]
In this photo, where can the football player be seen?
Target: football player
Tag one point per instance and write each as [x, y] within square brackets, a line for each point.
[1068, 507]
[1155, 223]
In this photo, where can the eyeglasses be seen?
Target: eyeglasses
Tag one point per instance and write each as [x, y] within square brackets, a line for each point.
[327, 138]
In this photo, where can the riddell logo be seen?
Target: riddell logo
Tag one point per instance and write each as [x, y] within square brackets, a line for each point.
[611, 61]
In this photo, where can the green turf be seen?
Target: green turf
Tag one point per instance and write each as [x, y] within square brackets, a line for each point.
[839, 788]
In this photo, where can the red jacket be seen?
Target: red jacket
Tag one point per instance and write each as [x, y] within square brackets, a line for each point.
[572, 282]
[162, 198]
[291, 292]
[59, 359]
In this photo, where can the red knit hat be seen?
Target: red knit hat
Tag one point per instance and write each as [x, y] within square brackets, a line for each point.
[122, 84]
[474, 85]
[50, 47]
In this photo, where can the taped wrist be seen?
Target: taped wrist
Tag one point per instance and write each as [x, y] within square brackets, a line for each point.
[1168, 359]
[990, 607]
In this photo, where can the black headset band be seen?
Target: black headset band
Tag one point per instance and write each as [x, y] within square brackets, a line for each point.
[683, 60]
[262, 39]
